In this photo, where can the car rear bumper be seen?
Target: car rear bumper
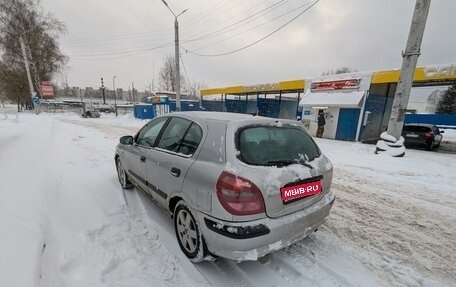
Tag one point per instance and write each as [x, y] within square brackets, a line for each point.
[417, 141]
[254, 239]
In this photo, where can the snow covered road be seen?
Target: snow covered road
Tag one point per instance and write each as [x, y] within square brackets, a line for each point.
[66, 222]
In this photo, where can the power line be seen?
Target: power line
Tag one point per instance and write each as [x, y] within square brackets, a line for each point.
[205, 12]
[185, 70]
[111, 42]
[105, 58]
[132, 52]
[118, 36]
[257, 41]
[124, 52]
[252, 28]
[221, 12]
[204, 16]
[271, 8]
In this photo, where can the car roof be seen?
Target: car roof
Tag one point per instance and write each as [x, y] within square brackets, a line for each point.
[420, 124]
[222, 116]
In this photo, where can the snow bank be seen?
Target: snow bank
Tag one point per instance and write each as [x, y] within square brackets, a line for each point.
[59, 208]
[124, 251]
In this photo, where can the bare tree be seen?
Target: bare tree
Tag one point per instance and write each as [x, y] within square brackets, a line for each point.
[40, 32]
[167, 75]
[341, 70]
[193, 89]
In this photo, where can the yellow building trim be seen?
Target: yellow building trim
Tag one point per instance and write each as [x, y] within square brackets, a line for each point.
[292, 85]
[224, 90]
[434, 73]
[285, 86]
[446, 72]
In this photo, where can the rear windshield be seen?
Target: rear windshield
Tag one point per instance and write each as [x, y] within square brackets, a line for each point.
[273, 145]
[416, 129]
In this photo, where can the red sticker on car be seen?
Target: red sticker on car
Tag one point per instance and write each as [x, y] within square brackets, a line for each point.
[301, 190]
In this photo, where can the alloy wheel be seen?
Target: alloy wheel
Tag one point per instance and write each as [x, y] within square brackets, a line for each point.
[121, 173]
[186, 231]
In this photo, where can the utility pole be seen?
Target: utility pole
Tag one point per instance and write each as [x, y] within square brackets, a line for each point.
[103, 91]
[176, 58]
[133, 91]
[401, 97]
[82, 102]
[115, 97]
[27, 68]
[410, 58]
[176, 55]
[153, 78]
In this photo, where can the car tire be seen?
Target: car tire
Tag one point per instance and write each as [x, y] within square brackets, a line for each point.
[429, 146]
[122, 175]
[188, 233]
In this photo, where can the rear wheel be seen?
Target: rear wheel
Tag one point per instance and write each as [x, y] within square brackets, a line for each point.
[122, 175]
[188, 233]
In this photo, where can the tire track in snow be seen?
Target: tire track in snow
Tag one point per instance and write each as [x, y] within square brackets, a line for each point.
[408, 239]
[298, 265]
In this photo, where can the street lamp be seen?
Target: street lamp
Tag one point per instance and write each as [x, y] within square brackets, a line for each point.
[115, 97]
[176, 56]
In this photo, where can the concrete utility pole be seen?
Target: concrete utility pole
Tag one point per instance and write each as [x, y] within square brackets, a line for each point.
[410, 58]
[115, 97]
[176, 55]
[176, 58]
[82, 102]
[133, 91]
[27, 68]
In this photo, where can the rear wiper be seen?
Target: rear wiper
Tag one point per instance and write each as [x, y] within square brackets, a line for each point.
[281, 163]
[303, 159]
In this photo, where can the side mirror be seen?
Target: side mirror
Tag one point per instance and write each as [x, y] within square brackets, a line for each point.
[126, 140]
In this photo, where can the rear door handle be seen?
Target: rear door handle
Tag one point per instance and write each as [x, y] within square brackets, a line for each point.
[143, 158]
[175, 172]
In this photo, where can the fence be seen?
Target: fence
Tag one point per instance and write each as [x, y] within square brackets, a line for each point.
[59, 107]
[186, 105]
[448, 121]
[274, 108]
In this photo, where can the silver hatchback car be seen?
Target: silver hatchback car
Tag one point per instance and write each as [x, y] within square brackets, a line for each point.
[237, 186]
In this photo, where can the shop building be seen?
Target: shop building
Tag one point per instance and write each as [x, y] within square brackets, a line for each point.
[341, 98]
[357, 106]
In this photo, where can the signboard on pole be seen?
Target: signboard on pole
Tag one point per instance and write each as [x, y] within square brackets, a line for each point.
[46, 90]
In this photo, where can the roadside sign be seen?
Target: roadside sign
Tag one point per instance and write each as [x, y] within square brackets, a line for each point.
[46, 89]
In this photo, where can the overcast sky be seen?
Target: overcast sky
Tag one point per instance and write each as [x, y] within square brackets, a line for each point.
[130, 38]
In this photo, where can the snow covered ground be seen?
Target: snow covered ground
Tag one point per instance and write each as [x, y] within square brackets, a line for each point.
[66, 222]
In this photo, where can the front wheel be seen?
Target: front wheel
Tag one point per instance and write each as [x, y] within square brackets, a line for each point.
[122, 175]
[188, 233]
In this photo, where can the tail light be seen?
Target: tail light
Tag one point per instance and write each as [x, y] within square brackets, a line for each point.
[238, 195]
[428, 135]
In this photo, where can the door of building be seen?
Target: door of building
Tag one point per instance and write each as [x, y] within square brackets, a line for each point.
[347, 124]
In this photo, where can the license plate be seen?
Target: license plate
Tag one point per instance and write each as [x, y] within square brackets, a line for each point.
[411, 135]
[295, 192]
